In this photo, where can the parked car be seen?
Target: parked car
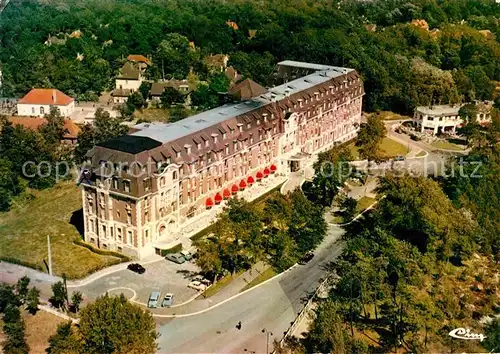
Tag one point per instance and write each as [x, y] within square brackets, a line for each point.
[306, 258]
[137, 268]
[176, 258]
[197, 285]
[187, 255]
[201, 279]
[399, 158]
[153, 299]
[168, 300]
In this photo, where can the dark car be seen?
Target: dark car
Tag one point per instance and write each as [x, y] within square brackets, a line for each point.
[137, 268]
[306, 258]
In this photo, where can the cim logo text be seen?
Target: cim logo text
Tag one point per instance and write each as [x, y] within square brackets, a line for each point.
[462, 333]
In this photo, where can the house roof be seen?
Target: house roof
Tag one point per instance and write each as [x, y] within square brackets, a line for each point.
[169, 132]
[129, 71]
[157, 88]
[139, 58]
[247, 89]
[232, 74]
[121, 92]
[52, 97]
[130, 144]
[35, 123]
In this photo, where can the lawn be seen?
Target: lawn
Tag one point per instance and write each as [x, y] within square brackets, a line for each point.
[152, 115]
[39, 328]
[387, 148]
[387, 115]
[446, 145]
[267, 274]
[391, 148]
[221, 283]
[422, 153]
[24, 230]
[364, 203]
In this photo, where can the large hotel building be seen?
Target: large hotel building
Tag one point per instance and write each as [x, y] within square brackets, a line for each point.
[160, 184]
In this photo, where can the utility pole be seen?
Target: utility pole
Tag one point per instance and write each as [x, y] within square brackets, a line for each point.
[50, 255]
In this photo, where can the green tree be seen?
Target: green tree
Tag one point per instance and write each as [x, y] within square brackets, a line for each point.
[65, 341]
[113, 325]
[369, 136]
[22, 288]
[135, 101]
[104, 128]
[76, 300]
[144, 89]
[59, 296]
[349, 205]
[13, 327]
[9, 184]
[33, 300]
[53, 130]
[170, 97]
[492, 333]
[174, 56]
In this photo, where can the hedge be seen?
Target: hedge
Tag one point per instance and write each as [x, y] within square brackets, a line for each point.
[22, 263]
[123, 257]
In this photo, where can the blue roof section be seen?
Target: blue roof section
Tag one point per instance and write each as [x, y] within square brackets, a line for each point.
[169, 132]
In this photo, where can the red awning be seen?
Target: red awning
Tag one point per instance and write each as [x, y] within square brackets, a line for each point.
[209, 203]
[218, 198]
[243, 184]
[226, 193]
[234, 188]
[259, 175]
[273, 168]
[266, 172]
[250, 180]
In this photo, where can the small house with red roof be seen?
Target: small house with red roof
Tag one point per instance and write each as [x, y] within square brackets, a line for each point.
[38, 101]
[71, 130]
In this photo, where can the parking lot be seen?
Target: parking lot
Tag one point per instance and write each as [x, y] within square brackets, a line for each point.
[163, 276]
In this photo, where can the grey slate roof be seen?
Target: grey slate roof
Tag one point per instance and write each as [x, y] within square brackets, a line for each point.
[168, 132]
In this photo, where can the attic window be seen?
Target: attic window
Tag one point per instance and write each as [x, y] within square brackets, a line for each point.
[249, 125]
[224, 135]
[240, 127]
[178, 154]
[258, 121]
[264, 115]
[198, 146]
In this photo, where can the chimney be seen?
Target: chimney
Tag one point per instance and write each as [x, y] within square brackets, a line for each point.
[54, 96]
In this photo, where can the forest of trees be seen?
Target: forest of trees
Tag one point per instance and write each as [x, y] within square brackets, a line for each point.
[402, 65]
[420, 264]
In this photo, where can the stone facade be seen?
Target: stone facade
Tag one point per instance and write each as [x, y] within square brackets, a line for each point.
[157, 186]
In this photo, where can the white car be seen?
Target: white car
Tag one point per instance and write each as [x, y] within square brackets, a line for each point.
[197, 285]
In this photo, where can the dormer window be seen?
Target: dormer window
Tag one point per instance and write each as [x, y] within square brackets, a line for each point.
[264, 115]
[235, 146]
[258, 121]
[214, 136]
[251, 138]
[224, 135]
[178, 154]
[249, 125]
[188, 148]
[169, 160]
[240, 127]
[227, 149]
[198, 146]
[206, 143]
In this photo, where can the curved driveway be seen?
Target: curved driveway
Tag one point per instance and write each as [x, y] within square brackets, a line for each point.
[273, 306]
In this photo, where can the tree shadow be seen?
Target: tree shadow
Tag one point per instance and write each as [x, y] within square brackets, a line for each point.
[186, 273]
[77, 220]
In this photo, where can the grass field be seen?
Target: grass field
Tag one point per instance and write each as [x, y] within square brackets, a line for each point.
[421, 153]
[363, 203]
[39, 328]
[391, 148]
[267, 274]
[24, 230]
[152, 115]
[386, 115]
[446, 145]
[387, 148]
[222, 283]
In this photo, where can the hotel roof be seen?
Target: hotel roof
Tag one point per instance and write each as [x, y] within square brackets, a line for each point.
[167, 132]
[440, 110]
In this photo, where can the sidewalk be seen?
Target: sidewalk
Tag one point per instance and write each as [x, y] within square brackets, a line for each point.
[224, 294]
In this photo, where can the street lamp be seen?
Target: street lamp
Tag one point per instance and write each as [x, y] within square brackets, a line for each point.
[268, 333]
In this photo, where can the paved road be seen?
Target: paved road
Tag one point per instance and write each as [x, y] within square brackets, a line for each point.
[273, 306]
